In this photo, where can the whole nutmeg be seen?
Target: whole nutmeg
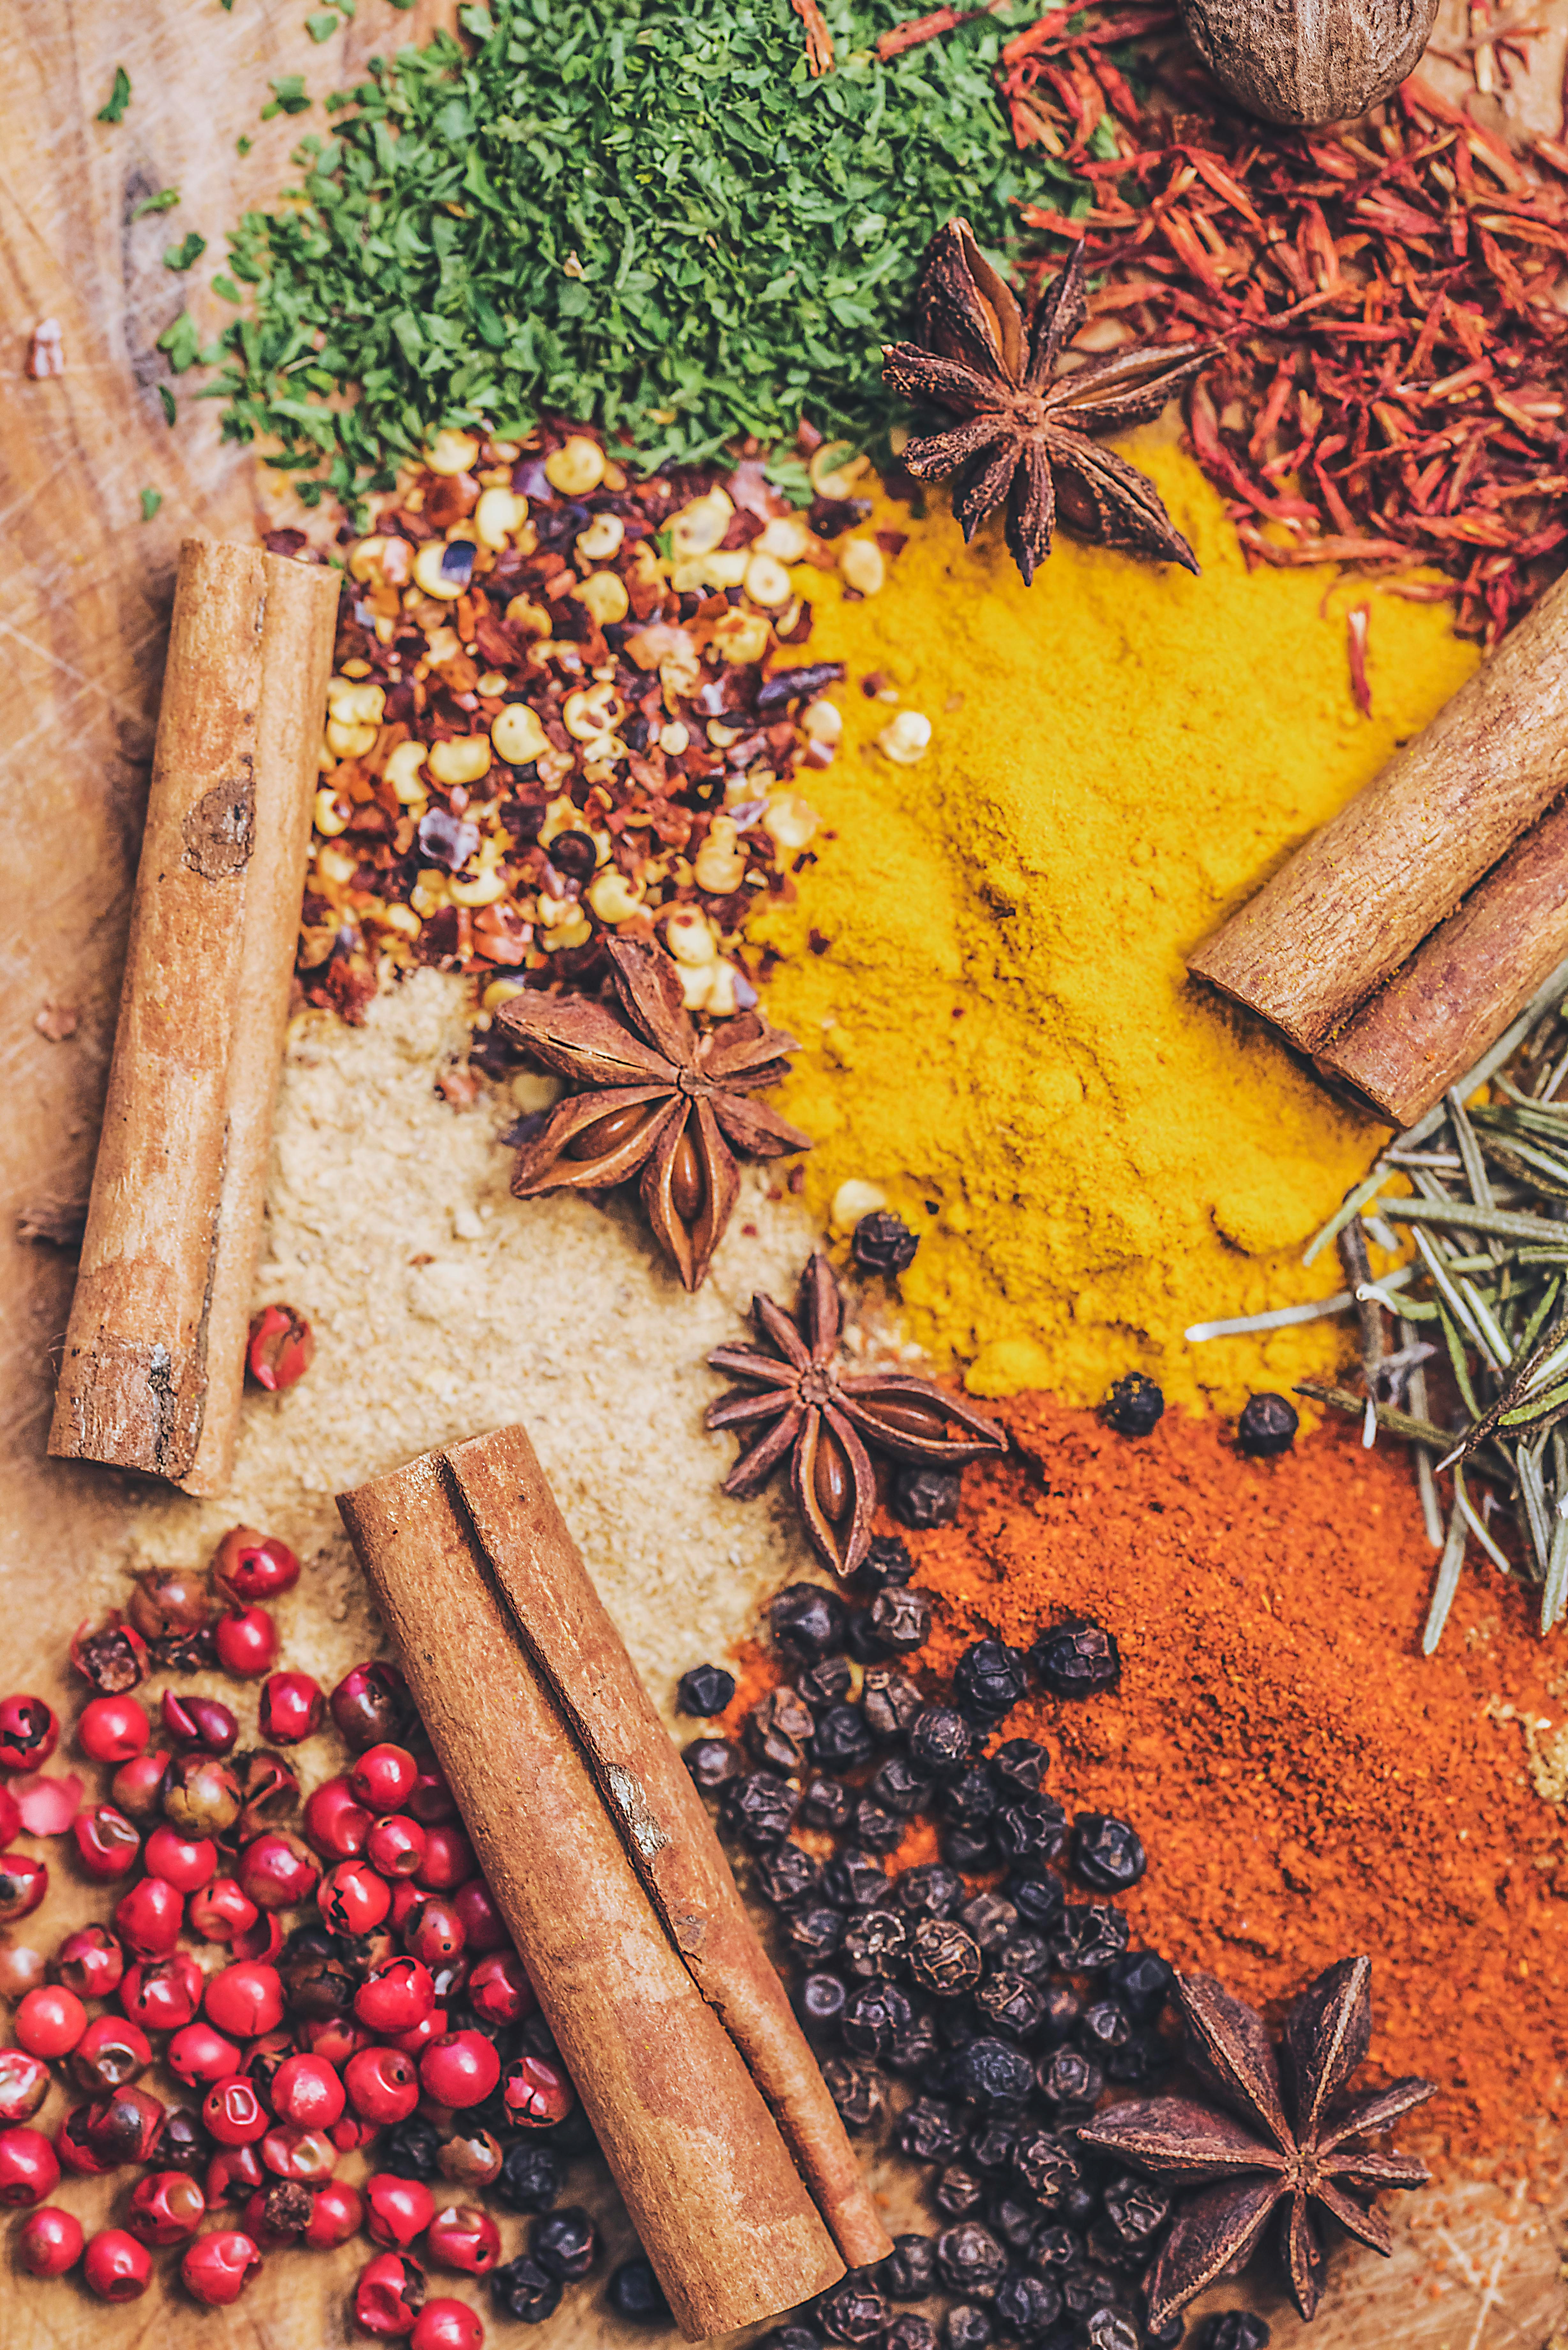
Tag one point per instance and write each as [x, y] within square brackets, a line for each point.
[200, 1795]
[1308, 65]
[169, 1602]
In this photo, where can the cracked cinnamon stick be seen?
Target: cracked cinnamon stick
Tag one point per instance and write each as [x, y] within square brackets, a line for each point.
[153, 1366]
[721, 2197]
[1356, 901]
[1415, 1037]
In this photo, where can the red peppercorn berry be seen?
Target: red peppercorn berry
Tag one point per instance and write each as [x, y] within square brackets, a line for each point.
[481, 1921]
[301, 2154]
[383, 2085]
[49, 2241]
[499, 1989]
[198, 2055]
[233, 2113]
[10, 1815]
[90, 1963]
[418, 2036]
[279, 1349]
[136, 1786]
[334, 2038]
[247, 1566]
[262, 1941]
[245, 1999]
[538, 2092]
[277, 1870]
[292, 1708]
[164, 1994]
[115, 2266]
[199, 1723]
[24, 1882]
[50, 2021]
[336, 1822]
[28, 2168]
[348, 2134]
[463, 2236]
[24, 2083]
[216, 2268]
[124, 2127]
[112, 1659]
[336, 2211]
[353, 1899]
[113, 1729]
[433, 1932]
[200, 1795]
[234, 2175]
[28, 1733]
[166, 2206]
[448, 1860]
[370, 1704]
[430, 1799]
[246, 1643]
[447, 2324]
[111, 2053]
[307, 2092]
[390, 2294]
[110, 1844]
[461, 2069]
[148, 1918]
[395, 1996]
[384, 1777]
[394, 1846]
[189, 1862]
[222, 1909]
[396, 2209]
[72, 2148]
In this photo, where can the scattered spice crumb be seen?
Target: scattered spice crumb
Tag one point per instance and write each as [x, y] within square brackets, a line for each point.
[57, 1022]
[46, 351]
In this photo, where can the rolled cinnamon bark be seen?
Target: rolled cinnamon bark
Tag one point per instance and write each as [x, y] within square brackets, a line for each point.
[1358, 899]
[711, 2186]
[667, 1833]
[1403, 1049]
[154, 1358]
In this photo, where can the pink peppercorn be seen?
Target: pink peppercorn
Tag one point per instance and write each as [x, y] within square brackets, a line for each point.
[24, 1882]
[463, 2236]
[24, 2083]
[108, 1843]
[198, 2055]
[396, 2209]
[28, 1733]
[49, 2241]
[307, 2092]
[394, 1846]
[50, 2021]
[246, 1642]
[448, 1860]
[247, 1566]
[499, 1989]
[115, 2266]
[447, 2324]
[383, 2085]
[390, 2294]
[277, 1870]
[335, 2212]
[245, 1999]
[29, 2169]
[90, 1963]
[220, 1909]
[396, 1996]
[292, 1708]
[148, 1918]
[233, 2113]
[280, 1347]
[162, 1994]
[216, 2268]
[460, 2069]
[113, 1729]
[166, 2206]
[188, 1862]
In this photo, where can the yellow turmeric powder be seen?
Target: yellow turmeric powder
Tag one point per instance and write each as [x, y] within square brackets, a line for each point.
[985, 966]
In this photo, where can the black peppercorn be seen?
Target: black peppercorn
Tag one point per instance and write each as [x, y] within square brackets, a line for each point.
[914, 2050]
[887, 1561]
[787, 1875]
[1141, 2060]
[1089, 1936]
[910, 2331]
[1019, 1764]
[931, 1890]
[1039, 1900]
[841, 1738]
[929, 2131]
[970, 1798]
[1029, 1833]
[876, 1944]
[634, 2292]
[945, 1959]
[853, 1880]
[923, 1497]
[875, 1827]
[988, 1681]
[524, 2291]
[807, 1621]
[990, 2073]
[827, 1683]
[874, 2016]
[899, 1787]
[1062, 2010]
[1104, 2027]
[966, 2327]
[704, 1691]
[565, 2244]
[1009, 2005]
[819, 2001]
[855, 2313]
[779, 1728]
[959, 2191]
[1069, 2081]
[794, 2336]
[713, 1763]
[970, 1849]
[760, 1809]
[1027, 2306]
[1112, 2329]
[858, 2090]
[969, 2260]
[1106, 1852]
[815, 1933]
[1134, 1406]
[825, 1803]
[1025, 1954]
[991, 2143]
[884, 1244]
[889, 1702]
[411, 2148]
[531, 2175]
[899, 1620]
[1014, 2218]
[940, 1741]
[1136, 2213]
[1046, 2165]
[185, 2143]
[1076, 1657]
[1234, 2329]
[1267, 1426]
[1143, 1983]
[989, 1919]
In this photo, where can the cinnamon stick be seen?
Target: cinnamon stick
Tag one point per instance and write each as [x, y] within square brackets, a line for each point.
[709, 2181]
[568, 1635]
[1413, 1039]
[154, 1358]
[1352, 905]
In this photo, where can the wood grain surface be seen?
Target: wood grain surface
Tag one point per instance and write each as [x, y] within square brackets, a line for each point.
[85, 589]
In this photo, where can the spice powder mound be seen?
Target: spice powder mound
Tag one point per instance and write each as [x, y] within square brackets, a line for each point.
[1305, 1782]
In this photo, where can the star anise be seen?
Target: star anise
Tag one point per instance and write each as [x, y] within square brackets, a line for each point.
[1289, 2141]
[1026, 418]
[824, 1419]
[655, 1094]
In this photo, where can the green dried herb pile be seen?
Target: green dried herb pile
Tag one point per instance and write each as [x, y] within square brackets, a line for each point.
[650, 217]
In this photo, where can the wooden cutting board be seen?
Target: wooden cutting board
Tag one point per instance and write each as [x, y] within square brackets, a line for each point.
[85, 589]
